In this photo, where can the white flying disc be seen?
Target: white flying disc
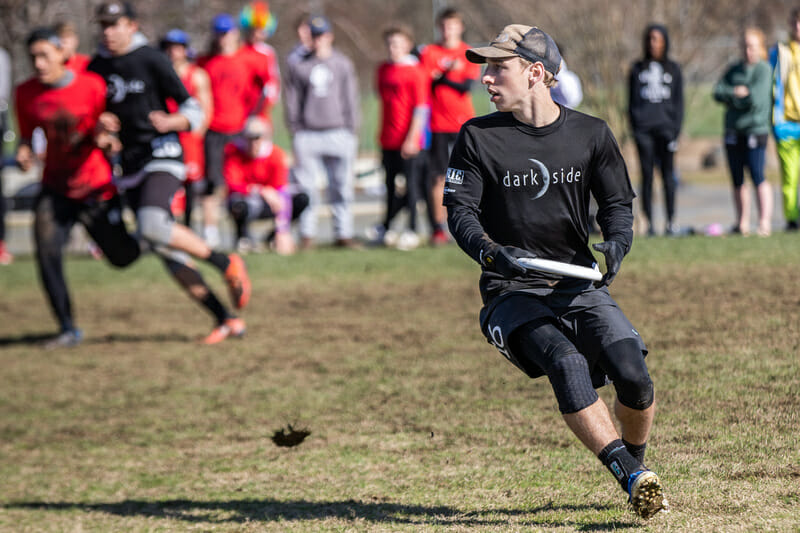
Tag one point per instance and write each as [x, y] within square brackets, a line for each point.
[563, 269]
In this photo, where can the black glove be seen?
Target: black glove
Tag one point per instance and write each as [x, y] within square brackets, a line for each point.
[503, 260]
[613, 252]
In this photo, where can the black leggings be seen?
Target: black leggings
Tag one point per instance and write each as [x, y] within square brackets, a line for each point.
[54, 217]
[394, 164]
[654, 147]
[243, 211]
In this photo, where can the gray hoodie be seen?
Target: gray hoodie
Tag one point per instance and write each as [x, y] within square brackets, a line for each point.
[322, 94]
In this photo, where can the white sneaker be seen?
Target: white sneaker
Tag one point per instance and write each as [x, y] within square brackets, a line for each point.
[390, 238]
[646, 494]
[408, 240]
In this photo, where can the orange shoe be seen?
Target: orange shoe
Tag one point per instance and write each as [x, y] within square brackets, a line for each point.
[238, 281]
[232, 327]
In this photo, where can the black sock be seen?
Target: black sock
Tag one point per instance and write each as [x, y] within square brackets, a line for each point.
[619, 462]
[216, 308]
[636, 450]
[219, 260]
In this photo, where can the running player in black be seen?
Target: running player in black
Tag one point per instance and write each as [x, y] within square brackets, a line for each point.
[140, 79]
[519, 185]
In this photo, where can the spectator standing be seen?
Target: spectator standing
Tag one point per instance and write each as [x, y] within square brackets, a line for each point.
[140, 80]
[568, 90]
[322, 113]
[176, 45]
[452, 77]
[70, 41]
[303, 46]
[230, 78]
[6, 258]
[568, 329]
[258, 24]
[655, 109]
[256, 172]
[403, 88]
[76, 180]
[785, 61]
[746, 91]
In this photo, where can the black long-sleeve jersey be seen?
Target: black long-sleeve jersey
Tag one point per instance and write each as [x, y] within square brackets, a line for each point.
[139, 82]
[513, 184]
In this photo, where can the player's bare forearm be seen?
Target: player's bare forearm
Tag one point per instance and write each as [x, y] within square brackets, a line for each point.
[167, 122]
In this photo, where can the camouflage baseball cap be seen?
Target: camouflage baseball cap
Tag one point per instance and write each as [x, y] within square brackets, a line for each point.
[518, 40]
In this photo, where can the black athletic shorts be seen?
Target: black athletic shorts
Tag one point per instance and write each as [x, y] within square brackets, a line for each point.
[439, 156]
[214, 149]
[56, 214]
[155, 190]
[590, 319]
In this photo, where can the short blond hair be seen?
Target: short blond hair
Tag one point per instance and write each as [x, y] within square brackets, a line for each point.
[550, 80]
[762, 40]
[399, 29]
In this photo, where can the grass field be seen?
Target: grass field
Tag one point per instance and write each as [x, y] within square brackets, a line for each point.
[416, 423]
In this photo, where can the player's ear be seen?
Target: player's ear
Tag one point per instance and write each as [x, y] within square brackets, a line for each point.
[536, 72]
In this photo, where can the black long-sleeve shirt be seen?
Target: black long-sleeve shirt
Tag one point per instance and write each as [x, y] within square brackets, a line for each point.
[512, 184]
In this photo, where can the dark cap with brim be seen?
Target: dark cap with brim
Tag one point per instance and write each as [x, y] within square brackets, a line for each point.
[518, 40]
[319, 25]
[110, 12]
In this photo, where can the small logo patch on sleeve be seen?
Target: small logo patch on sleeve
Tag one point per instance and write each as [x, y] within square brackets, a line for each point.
[455, 176]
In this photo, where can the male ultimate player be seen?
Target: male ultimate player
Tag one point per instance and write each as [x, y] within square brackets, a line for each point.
[76, 180]
[140, 79]
[518, 185]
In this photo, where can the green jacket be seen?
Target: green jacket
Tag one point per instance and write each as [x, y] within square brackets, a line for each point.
[749, 115]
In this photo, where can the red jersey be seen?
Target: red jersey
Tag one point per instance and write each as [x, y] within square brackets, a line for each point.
[243, 173]
[194, 157]
[230, 79]
[78, 62]
[74, 166]
[402, 88]
[265, 78]
[449, 107]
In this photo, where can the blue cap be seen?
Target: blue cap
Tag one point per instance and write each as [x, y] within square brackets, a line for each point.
[319, 25]
[223, 23]
[176, 36]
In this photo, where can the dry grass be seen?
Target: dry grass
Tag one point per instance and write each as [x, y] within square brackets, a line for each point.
[416, 423]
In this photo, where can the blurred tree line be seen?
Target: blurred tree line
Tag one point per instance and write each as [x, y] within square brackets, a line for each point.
[600, 38]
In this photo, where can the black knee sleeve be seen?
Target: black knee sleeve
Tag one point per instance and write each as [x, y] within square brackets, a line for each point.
[572, 384]
[299, 203]
[239, 210]
[628, 372]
